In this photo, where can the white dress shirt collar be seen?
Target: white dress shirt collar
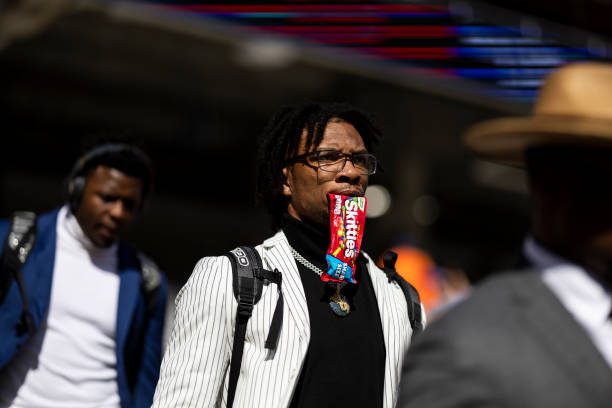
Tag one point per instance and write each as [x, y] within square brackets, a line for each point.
[579, 292]
[587, 300]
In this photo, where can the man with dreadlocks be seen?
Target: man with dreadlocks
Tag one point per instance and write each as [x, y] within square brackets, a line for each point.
[322, 358]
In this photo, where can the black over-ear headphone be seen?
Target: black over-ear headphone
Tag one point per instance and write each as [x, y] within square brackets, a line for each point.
[75, 183]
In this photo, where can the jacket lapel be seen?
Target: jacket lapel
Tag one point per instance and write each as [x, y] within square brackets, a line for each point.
[276, 254]
[564, 339]
[395, 325]
[129, 287]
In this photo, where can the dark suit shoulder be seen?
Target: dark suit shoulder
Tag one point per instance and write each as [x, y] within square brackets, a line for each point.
[490, 315]
[491, 299]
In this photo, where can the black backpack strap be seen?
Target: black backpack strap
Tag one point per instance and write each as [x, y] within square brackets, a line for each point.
[412, 295]
[151, 278]
[249, 276]
[17, 247]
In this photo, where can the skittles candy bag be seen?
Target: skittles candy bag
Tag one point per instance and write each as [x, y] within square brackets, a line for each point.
[346, 222]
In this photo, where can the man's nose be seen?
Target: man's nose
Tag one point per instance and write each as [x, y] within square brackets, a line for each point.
[119, 210]
[349, 172]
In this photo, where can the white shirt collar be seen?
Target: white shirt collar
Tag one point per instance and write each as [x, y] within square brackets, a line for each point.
[583, 296]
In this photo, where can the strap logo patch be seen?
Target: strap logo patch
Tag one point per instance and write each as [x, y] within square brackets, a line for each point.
[240, 256]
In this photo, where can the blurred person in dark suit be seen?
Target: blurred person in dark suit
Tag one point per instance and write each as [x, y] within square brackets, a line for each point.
[81, 318]
[542, 336]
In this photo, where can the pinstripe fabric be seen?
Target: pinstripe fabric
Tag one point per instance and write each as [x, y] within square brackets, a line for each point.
[195, 367]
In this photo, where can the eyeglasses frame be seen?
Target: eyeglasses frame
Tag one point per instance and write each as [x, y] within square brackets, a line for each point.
[304, 159]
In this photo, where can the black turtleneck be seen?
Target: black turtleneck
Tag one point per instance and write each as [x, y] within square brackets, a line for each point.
[345, 363]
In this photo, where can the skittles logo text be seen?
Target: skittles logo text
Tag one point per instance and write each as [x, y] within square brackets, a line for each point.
[351, 227]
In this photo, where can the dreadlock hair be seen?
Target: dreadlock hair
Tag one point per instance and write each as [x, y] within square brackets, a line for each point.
[281, 138]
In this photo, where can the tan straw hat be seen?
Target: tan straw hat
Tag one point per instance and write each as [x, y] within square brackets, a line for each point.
[574, 107]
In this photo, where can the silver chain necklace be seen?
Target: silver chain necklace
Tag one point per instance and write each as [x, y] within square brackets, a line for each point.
[298, 257]
[337, 302]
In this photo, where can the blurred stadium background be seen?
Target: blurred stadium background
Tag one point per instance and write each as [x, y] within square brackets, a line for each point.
[195, 82]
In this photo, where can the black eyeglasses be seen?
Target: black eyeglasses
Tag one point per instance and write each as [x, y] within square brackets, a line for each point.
[334, 161]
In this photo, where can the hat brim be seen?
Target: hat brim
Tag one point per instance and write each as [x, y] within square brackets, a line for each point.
[506, 140]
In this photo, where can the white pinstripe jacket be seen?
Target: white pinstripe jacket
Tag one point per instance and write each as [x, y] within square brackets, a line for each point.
[195, 367]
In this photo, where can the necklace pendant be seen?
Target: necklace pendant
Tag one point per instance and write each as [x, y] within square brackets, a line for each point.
[339, 304]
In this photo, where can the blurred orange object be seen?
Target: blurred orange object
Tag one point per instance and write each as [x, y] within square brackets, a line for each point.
[417, 267]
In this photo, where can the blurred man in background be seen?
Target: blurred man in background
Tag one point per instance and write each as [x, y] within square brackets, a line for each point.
[539, 337]
[81, 312]
[322, 355]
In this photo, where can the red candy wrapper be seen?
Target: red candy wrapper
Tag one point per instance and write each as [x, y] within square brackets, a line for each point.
[346, 222]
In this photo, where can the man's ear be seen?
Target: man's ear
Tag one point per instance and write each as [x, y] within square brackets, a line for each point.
[287, 181]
